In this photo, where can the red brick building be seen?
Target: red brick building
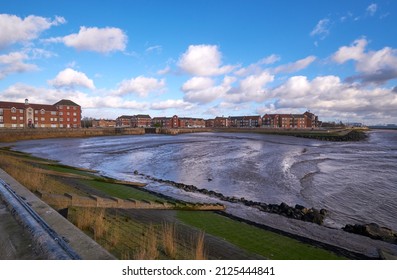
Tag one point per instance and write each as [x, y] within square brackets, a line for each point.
[63, 114]
[141, 121]
[69, 114]
[124, 121]
[191, 122]
[306, 120]
[103, 123]
[166, 122]
[221, 122]
[246, 121]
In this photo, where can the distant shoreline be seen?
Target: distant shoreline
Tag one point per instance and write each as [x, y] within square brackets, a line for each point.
[334, 134]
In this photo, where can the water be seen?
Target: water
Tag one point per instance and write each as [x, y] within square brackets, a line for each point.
[355, 181]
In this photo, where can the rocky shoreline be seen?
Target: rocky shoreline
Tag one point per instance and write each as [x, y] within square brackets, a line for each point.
[374, 231]
[297, 212]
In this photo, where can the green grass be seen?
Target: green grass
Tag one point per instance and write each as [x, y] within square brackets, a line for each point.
[121, 191]
[253, 239]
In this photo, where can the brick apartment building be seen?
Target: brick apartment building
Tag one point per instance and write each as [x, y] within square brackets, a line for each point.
[168, 122]
[63, 114]
[305, 120]
[141, 121]
[245, 121]
[191, 122]
[103, 123]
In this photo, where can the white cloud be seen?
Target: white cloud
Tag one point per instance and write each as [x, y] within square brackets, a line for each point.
[371, 9]
[156, 49]
[164, 71]
[203, 60]
[203, 90]
[14, 63]
[171, 104]
[102, 40]
[322, 28]
[256, 68]
[295, 66]
[70, 78]
[251, 88]
[328, 96]
[141, 86]
[373, 66]
[18, 92]
[16, 30]
[355, 51]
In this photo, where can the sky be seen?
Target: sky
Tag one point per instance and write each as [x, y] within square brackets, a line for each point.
[203, 58]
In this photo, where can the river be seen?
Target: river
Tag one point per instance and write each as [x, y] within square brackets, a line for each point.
[355, 181]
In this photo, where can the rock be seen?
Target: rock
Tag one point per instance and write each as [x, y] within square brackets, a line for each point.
[136, 172]
[373, 231]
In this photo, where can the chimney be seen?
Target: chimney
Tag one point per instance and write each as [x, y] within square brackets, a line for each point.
[26, 101]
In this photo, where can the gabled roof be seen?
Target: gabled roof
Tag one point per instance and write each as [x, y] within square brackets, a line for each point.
[125, 117]
[142, 116]
[20, 105]
[66, 102]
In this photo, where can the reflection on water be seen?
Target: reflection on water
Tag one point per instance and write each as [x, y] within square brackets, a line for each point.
[355, 181]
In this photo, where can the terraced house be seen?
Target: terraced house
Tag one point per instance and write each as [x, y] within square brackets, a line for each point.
[63, 114]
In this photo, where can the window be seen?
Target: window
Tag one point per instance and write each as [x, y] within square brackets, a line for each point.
[75, 120]
[1, 111]
[14, 118]
[36, 111]
[60, 107]
[53, 113]
[61, 113]
[1, 119]
[21, 111]
[36, 119]
[74, 114]
[42, 111]
[13, 110]
[68, 113]
[67, 107]
[61, 119]
[42, 119]
[14, 125]
[21, 118]
[68, 119]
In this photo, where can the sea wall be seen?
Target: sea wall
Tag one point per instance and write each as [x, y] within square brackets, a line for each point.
[11, 135]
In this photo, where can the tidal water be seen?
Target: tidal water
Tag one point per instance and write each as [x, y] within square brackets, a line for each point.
[355, 181]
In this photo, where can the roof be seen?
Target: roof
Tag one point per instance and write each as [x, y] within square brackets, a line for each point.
[21, 105]
[66, 102]
[143, 116]
[125, 117]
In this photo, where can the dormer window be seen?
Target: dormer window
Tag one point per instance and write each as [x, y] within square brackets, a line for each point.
[13, 110]
[42, 111]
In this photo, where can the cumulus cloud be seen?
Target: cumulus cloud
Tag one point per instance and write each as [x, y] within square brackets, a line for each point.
[19, 92]
[373, 66]
[16, 30]
[322, 28]
[14, 63]
[355, 51]
[203, 60]
[141, 86]
[202, 90]
[70, 78]
[171, 104]
[251, 88]
[102, 40]
[295, 66]
[329, 96]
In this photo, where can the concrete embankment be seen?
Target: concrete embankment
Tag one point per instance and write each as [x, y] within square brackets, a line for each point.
[11, 135]
[46, 233]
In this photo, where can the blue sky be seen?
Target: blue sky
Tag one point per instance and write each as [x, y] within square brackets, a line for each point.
[203, 58]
